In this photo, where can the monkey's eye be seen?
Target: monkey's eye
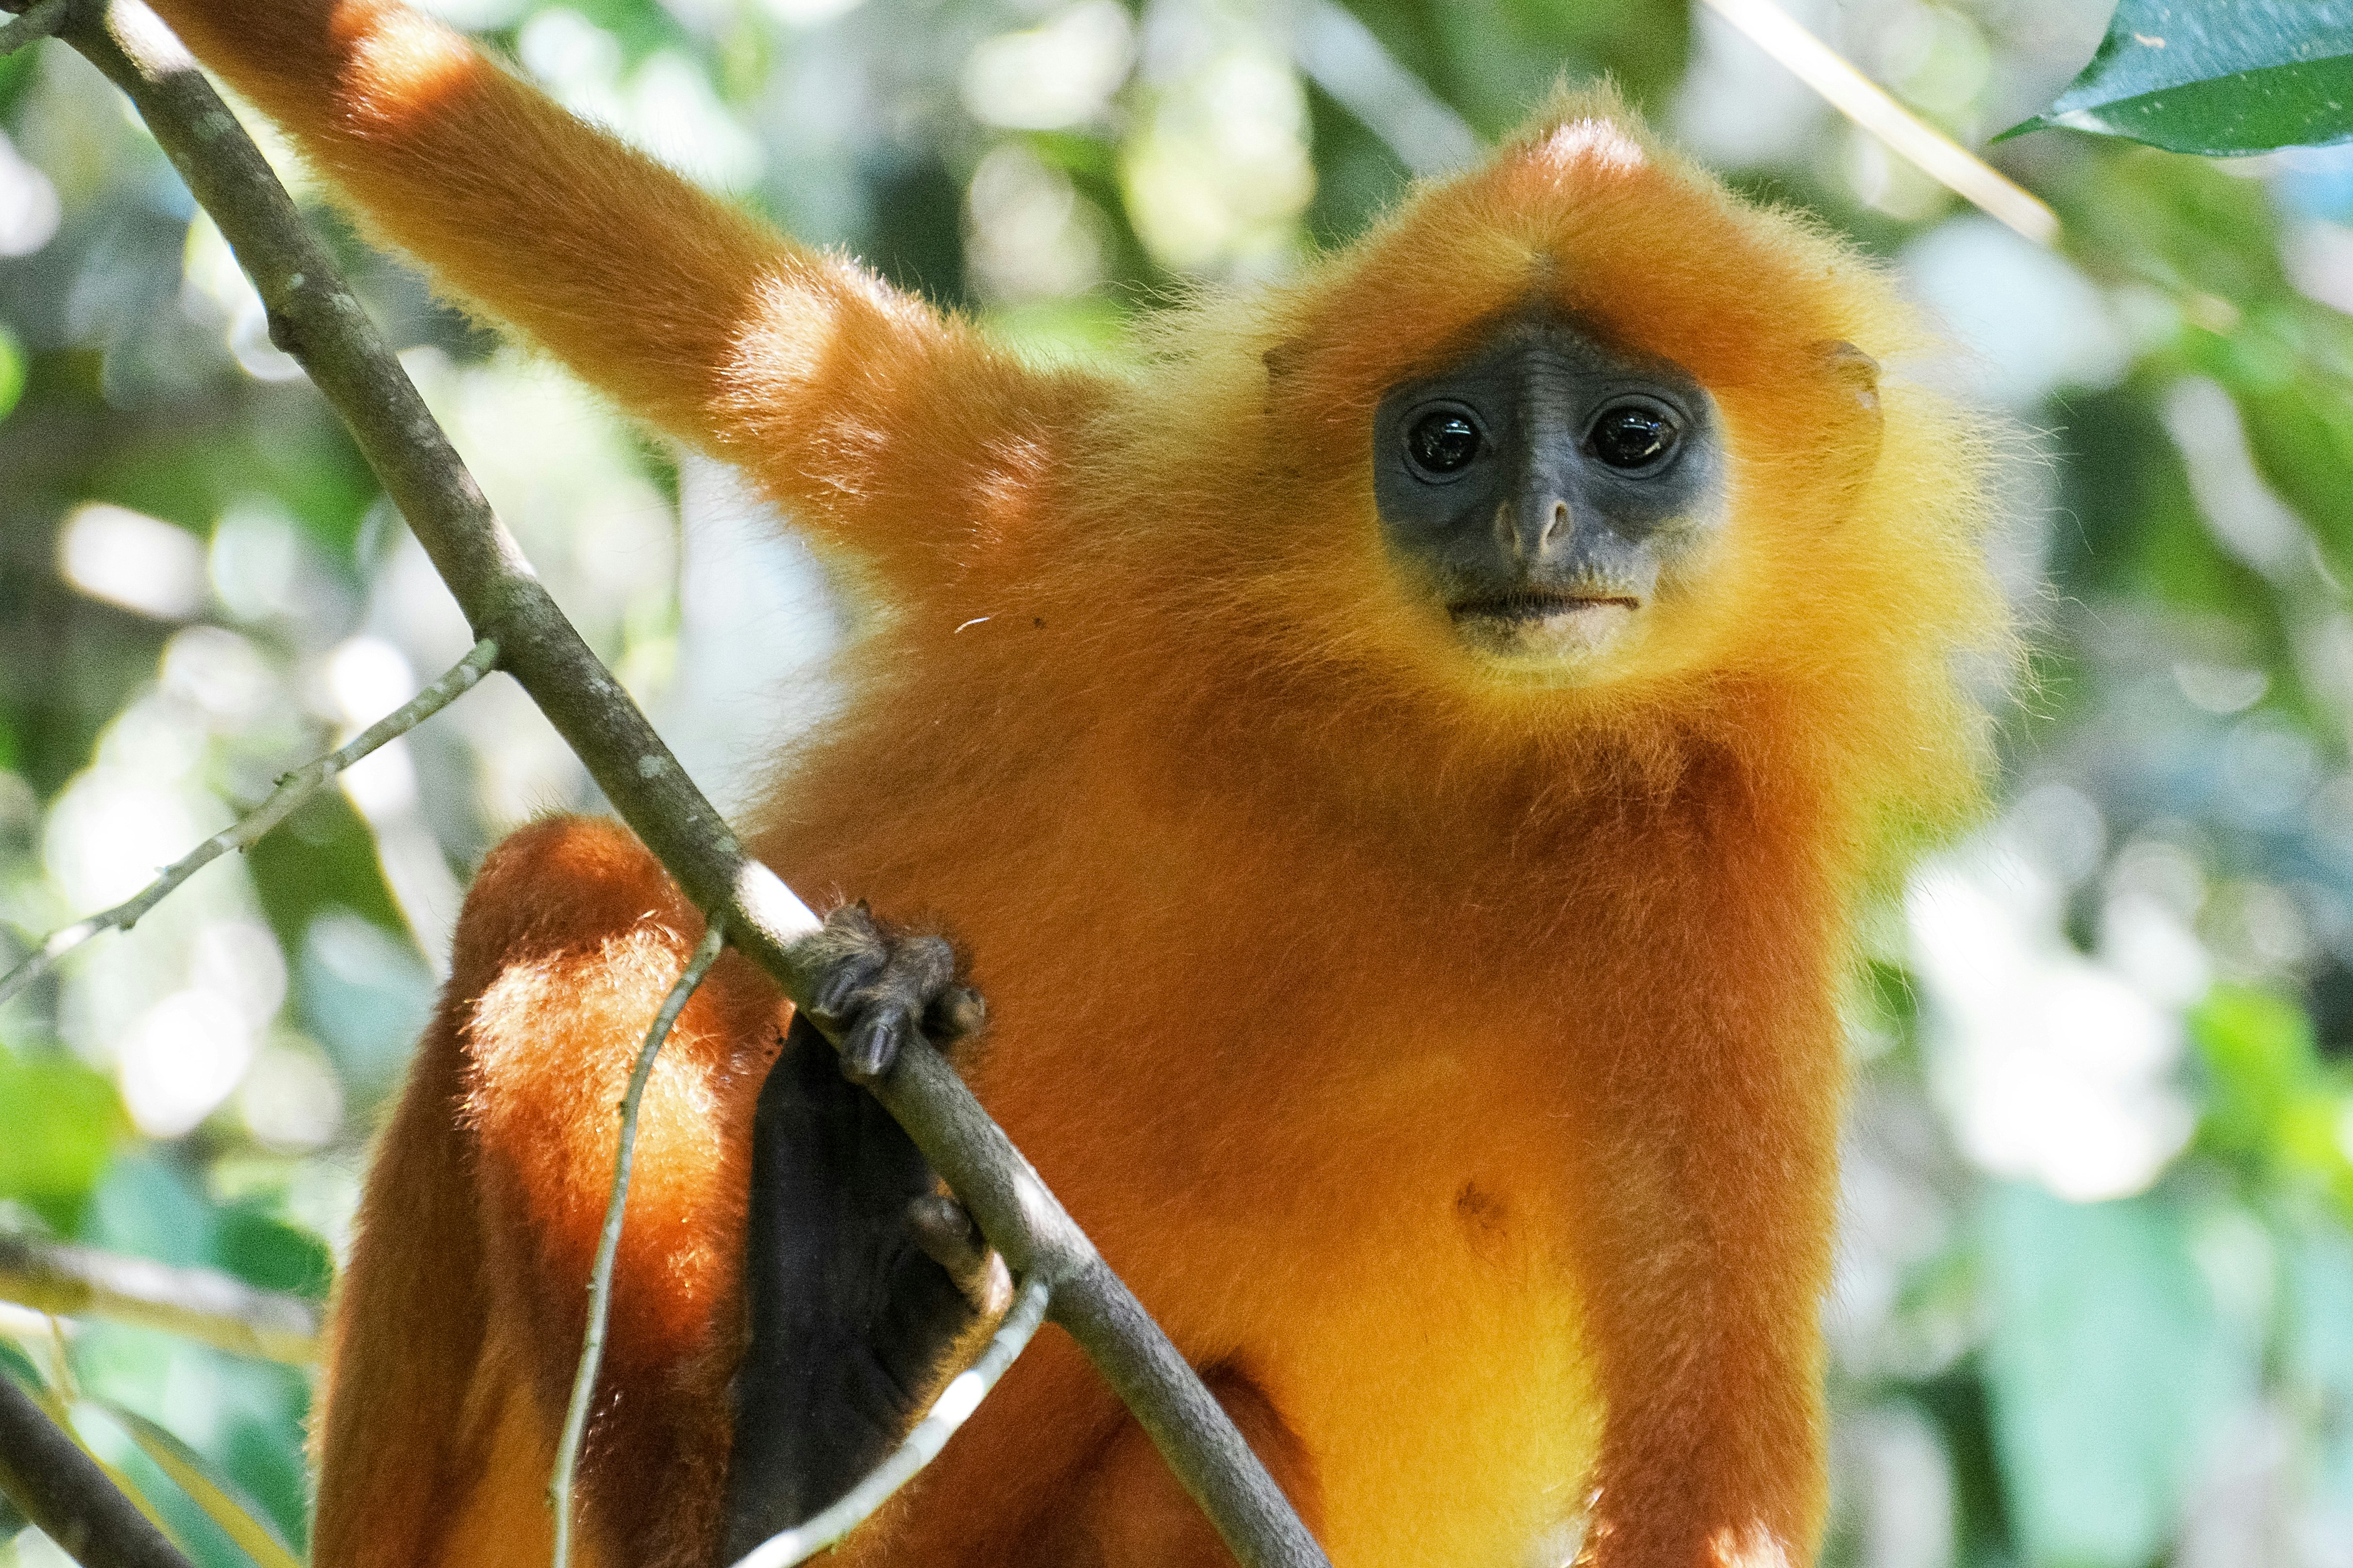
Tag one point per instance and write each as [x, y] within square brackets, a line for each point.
[1442, 443]
[1632, 437]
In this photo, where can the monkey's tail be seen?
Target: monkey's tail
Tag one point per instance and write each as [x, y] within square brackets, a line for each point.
[395, 1443]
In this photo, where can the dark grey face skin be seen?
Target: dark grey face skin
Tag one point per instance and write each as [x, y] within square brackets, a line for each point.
[1540, 486]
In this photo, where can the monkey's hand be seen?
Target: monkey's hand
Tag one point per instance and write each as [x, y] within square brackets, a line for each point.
[861, 1275]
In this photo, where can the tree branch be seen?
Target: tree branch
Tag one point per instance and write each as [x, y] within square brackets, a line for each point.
[957, 1401]
[315, 318]
[38, 22]
[1773, 29]
[608, 1241]
[199, 1304]
[292, 790]
[61, 1489]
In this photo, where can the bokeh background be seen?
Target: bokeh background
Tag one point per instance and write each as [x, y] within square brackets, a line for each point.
[2095, 1305]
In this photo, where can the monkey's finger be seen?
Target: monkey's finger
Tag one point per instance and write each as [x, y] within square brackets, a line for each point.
[920, 969]
[950, 1239]
[873, 1044]
[854, 923]
[956, 1014]
[836, 995]
[850, 952]
[891, 1005]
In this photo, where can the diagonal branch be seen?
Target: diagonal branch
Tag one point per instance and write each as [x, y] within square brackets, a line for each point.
[199, 1304]
[37, 22]
[292, 790]
[1869, 105]
[314, 317]
[61, 1489]
[957, 1401]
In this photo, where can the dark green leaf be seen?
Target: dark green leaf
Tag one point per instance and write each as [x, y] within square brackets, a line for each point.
[2216, 77]
[264, 1250]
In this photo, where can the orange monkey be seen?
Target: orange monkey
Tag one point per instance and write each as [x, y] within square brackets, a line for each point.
[1402, 755]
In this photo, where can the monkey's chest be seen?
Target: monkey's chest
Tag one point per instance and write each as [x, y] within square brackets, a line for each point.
[1325, 1152]
[1438, 1384]
[1435, 1376]
[1393, 1275]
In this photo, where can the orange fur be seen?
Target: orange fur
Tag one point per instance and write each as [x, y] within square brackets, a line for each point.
[1455, 1054]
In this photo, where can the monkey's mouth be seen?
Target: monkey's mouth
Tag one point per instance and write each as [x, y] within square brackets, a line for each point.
[1545, 626]
[1526, 606]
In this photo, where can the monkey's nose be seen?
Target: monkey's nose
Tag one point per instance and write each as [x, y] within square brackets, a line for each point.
[1555, 520]
[1543, 526]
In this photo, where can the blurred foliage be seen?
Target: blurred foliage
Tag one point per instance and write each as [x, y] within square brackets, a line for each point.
[2095, 1299]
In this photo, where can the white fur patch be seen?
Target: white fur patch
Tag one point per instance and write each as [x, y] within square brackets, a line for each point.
[1591, 141]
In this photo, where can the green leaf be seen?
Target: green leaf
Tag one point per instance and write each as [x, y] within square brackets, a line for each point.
[2216, 77]
[2300, 432]
[59, 1121]
[2258, 1050]
[12, 370]
[238, 1517]
[264, 1250]
[16, 76]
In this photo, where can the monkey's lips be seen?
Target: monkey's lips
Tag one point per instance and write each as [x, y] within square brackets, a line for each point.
[1534, 623]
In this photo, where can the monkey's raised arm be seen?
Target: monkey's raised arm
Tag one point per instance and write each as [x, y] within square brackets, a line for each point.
[798, 366]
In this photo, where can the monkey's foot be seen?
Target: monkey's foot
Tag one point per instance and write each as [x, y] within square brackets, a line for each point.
[877, 987]
[860, 1275]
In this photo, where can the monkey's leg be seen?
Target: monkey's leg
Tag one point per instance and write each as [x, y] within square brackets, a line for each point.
[859, 1277]
[392, 1441]
[489, 1194]
[458, 1325]
[581, 934]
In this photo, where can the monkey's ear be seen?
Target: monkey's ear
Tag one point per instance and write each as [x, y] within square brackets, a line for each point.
[1851, 368]
[1282, 361]
[1856, 373]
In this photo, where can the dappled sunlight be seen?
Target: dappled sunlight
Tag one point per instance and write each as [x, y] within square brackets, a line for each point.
[2094, 1255]
[2052, 1066]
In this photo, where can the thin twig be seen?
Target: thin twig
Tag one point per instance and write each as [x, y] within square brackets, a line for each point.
[199, 1304]
[315, 318]
[61, 1489]
[1866, 102]
[43, 19]
[1339, 53]
[957, 1401]
[292, 790]
[608, 1241]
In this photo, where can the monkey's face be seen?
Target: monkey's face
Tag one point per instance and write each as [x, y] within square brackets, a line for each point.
[1543, 491]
